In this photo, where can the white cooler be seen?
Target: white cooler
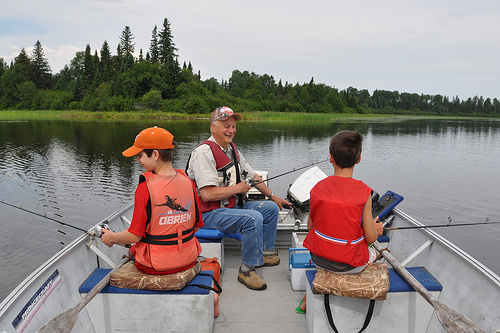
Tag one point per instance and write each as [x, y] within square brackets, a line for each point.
[299, 260]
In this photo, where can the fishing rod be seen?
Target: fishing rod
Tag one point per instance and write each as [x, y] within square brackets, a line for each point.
[253, 182]
[96, 231]
[44, 216]
[441, 225]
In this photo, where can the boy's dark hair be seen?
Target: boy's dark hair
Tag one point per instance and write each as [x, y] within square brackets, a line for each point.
[166, 155]
[345, 148]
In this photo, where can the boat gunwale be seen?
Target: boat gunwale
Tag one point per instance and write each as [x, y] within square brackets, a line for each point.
[453, 248]
[27, 283]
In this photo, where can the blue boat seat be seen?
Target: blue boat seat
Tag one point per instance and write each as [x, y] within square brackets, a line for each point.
[206, 235]
[399, 284]
[383, 239]
[403, 310]
[100, 273]
[117, 309]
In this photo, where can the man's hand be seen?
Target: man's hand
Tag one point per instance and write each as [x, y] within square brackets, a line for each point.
[243, 187]
[280, 202]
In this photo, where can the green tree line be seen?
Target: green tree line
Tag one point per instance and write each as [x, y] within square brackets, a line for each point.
[101, 81]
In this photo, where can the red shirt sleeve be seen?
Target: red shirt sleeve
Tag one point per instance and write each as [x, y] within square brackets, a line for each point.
[198, 223]
[139, 218]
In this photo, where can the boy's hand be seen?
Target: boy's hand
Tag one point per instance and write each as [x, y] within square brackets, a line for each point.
[106, 237]
[379, 226]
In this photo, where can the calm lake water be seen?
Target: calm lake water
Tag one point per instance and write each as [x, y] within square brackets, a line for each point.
[73, 171]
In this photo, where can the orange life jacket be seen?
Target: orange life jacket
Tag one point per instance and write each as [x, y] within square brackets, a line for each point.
[169, 242]
[336, 209]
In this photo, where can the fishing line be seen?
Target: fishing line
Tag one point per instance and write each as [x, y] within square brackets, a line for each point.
[252, 182]
[44, 216]
[96, 231]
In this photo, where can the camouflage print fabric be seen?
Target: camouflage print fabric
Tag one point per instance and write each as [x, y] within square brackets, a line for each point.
[128, 276]
[371, 283]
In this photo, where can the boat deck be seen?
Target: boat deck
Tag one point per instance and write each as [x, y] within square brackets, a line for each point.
[271, 310]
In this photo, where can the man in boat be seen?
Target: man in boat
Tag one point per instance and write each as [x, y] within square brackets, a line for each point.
[340, 220]
[220, 172]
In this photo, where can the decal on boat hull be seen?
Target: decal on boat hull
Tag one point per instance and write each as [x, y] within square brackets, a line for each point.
[30, 309]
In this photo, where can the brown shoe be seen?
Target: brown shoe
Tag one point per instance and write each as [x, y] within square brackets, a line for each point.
[251, 280]
[271, 260]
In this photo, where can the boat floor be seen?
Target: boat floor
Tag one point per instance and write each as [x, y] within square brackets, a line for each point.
[271, 310]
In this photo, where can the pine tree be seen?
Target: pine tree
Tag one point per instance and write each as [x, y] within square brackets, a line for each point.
[88, 71]
[126, 42]
[22, 59]
[41, 69]
[166, 46]
[168, 58]
[3, 66]
[20, 72]
[23, 67]
[105, 63]
[153, 49]
[96, 71]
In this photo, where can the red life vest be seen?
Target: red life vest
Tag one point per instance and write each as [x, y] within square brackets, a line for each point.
[224, 166]
[336, 209]
[169, 242]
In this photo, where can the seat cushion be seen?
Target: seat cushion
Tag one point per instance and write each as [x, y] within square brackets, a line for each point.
[128, 276]
[371, 283]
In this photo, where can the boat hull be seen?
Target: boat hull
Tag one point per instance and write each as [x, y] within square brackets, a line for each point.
[53, 287]
[468, 286]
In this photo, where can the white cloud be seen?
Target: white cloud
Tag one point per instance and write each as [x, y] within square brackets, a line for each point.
[446, 47]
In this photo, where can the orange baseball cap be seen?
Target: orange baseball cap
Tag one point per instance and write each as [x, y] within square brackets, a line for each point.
[150, 138]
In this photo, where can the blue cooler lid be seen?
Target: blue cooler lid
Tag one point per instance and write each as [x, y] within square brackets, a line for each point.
[302, 260]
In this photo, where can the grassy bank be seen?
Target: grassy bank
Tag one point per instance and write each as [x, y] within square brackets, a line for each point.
[85, 115]
[249, 116]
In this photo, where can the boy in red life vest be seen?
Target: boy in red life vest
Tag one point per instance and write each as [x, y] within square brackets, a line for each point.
[340, 220]
[166, 214]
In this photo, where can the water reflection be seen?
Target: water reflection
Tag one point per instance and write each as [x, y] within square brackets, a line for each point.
[73, 170]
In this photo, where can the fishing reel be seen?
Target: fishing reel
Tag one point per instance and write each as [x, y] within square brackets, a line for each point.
[97, 230]
[252, 182]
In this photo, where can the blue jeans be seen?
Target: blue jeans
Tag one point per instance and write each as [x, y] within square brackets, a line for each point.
[256, 221]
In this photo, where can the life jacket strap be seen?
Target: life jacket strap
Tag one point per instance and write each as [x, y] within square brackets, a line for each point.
[163, 239]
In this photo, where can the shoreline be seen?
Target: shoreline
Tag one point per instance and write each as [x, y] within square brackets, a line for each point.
[13, 115]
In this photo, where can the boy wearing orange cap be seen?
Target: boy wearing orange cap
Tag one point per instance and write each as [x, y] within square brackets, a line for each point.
[166, 213]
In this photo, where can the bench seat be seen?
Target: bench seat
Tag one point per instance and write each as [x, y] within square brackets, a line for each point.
[299, 260]
[114, 309]
[404, 310]
[212, 245]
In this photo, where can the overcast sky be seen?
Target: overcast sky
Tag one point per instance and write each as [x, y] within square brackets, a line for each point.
[447, 47]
